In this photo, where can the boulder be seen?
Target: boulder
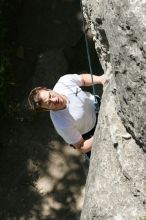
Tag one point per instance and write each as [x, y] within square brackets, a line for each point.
[116, 180]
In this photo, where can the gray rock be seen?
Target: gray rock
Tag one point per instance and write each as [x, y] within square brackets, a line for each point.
[119, 34]
[116, 182]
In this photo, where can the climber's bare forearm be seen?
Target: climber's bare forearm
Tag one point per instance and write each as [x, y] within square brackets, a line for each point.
[84, 146]
[87, 79]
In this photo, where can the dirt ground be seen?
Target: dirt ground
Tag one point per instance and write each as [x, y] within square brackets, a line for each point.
[41, 177]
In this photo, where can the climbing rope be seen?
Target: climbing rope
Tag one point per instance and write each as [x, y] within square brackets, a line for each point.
[96, 98]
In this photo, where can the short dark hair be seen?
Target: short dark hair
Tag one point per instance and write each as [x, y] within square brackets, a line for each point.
[34, 99]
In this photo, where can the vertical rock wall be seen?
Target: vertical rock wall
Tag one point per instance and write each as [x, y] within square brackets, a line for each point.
[116, 182]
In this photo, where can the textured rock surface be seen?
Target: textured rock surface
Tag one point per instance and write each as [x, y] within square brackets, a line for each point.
[117, 178]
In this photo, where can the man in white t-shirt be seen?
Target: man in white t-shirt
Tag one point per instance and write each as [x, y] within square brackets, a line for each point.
[72, 110]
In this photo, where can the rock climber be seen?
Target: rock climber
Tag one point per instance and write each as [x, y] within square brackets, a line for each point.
[72, 110]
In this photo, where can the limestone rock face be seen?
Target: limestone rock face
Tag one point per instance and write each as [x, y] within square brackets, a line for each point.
[116, 181]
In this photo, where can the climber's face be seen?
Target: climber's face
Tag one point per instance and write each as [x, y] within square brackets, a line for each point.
[51, 100]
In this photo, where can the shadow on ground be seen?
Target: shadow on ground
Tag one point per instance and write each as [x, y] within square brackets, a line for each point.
[41, 177]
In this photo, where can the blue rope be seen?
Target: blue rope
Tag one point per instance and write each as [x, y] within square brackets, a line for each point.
[89, 60]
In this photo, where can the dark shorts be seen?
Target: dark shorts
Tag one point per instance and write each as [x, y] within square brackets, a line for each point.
[91, 132]
[87, 136]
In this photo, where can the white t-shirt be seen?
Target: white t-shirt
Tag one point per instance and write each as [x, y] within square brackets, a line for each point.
[79, 116]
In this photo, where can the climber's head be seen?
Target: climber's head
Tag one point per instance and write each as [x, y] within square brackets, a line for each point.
[43, 99]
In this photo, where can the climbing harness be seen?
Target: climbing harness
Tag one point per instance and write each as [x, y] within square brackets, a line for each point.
[96, 97]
